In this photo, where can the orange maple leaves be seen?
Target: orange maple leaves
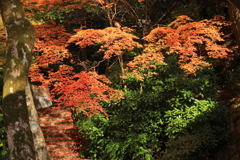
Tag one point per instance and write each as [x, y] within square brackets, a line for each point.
[82, 90]
[114, 41]
[51, 43]
[48, 3]
[192, 41]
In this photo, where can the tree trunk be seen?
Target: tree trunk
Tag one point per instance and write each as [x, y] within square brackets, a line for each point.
[38, 137]
[230, 149]
[235, 3]
[234, 13]
[20, 39]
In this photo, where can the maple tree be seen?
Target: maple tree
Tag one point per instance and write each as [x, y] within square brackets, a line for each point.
[83, 89]
[24, 136]
[114, 42]
[76, 83]
[163, 87]
[192, 41]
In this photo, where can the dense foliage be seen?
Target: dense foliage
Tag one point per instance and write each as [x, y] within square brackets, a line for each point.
[170, 109]
[154, 97]
[169, 115]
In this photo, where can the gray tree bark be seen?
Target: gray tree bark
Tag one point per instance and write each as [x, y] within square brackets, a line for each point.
[24, 137]
[38, 137]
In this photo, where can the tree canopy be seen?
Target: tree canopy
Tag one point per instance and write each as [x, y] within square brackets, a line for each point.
[144, 78]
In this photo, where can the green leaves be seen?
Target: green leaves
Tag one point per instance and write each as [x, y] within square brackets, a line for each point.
[178, 119]
[169, 114]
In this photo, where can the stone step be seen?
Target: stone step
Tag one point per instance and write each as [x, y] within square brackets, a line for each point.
[63, 155]
[54, 112]
[58, 127]
[62, 139]
[69, 159]
[60, 119]
[46, 111]
[61, 135]
[64, 144]
[53, 124]
[55, 108]
[64, 148]
[54, 117]
[71, 130]
[64, 114]
[54, 135]
[52, 145]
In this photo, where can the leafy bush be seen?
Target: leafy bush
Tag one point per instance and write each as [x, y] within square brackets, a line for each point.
[169, 115]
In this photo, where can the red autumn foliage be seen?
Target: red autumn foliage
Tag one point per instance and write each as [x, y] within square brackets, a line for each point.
[51, 44]
[82, 90]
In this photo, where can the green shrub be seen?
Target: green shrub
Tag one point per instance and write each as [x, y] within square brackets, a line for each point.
[170, 115]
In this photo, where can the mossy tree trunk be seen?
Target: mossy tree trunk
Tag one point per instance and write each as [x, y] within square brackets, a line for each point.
[38, 137]
[17, 106]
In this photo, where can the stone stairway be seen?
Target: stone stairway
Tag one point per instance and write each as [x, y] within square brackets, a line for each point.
[60, 133]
